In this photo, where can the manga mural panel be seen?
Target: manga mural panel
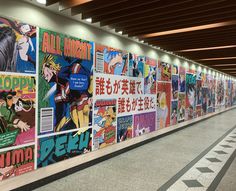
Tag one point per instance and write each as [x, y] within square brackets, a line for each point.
[110, 60]
[163, 104]
[210, 95]
[124, 128]
[204, 100]
[17, 46]
[142, 125]
[164, 71]
[150, 76]
[220, 93]
[181, 107]
[56, 148]
[175, 85]
[175, 69]
[65, 82]
[174, 114]
[182, 79]
[190, 96]
[136, 65]
[17, 110]
[16, 162]
[104, 129]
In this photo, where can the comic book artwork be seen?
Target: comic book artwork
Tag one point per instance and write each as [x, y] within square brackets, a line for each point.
[17, 110]
[65, 82]
[233, 93]
[110, 60]
[124, 128]
[204, 79]
[16, 162]
[204, 100]
[136, 65]
[181, 107]
[18, 46]
[175, 69]
[199, 75]
[182, 85]
[174, 114]
[175, 85]
[56, 148]
[220, 93]
[164, 71]
[190, 96]
[163, 104]
[198, 110]
[228, 93]
[142, 125]
[199, 92]
[150, 76]
[104, 129]
[210, 95]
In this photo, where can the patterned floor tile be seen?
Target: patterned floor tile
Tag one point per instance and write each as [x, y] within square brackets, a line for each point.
[205, 170]
[192, 183]
[221, 152]
[226, 146]
[213, 159]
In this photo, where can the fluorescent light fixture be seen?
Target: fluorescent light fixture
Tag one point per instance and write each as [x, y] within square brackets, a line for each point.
[42, 1]
[228, 69]
[208, 48]
[190, 29]
[142, 41]
[89, 20]
[120, 32]
[224, 65]
[223, 58]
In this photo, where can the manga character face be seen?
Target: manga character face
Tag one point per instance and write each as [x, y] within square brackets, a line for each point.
[25, 29]
[48, 73]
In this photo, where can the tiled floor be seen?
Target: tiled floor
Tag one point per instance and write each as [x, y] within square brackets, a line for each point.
[152, 165]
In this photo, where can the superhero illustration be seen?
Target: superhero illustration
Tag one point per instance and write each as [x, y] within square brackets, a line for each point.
[17, 110]
[17, 46]
[136, 65]
[111, 61]
[65, 83]
[104, 129]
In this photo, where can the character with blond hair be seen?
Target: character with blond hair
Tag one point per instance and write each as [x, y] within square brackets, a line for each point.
[65, 95]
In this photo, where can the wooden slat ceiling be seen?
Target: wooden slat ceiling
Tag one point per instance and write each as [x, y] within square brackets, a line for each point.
[200, 30]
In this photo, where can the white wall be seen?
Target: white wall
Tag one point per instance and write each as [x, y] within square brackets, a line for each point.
[38, 16]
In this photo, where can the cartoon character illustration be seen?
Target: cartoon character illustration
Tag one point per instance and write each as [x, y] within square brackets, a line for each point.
[115, 62]
[16, 39]
[105, 125]
[150, 81]
[182, 82]
[162, 110]
[9, 112]
[7, 172]
[136, 64]
[68, 96]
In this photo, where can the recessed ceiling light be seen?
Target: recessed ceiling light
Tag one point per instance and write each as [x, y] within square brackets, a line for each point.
[42, 1]
[89, 20]
[120, 32]
[142, 41]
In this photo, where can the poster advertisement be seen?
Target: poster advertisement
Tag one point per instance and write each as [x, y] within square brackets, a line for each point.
[16, 162]
[175, 69]
[181, 107]
[110, 60]
[210, 95]
[190, 96]
[163, 104]
[182, 82]
[18, 46]
[65, 81]
[150, 76]
[198, 110]
[128, 91]
[199, 92]
[136, 65]
[124, 128]
[175, 86]
[104, 129]
[164, 71]
[220, 93]
[17, 110]
[174, 114]
[204, 100]
[142, 125]
[56, 148]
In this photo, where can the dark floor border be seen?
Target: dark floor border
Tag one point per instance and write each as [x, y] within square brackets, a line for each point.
[222, 172]
[62, 174]
[176, 177]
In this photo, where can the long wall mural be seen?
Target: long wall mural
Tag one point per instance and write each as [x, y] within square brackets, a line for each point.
[61, 96]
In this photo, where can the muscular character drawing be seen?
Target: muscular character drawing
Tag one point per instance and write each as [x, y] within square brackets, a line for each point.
[9, 118]
[79, 100]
